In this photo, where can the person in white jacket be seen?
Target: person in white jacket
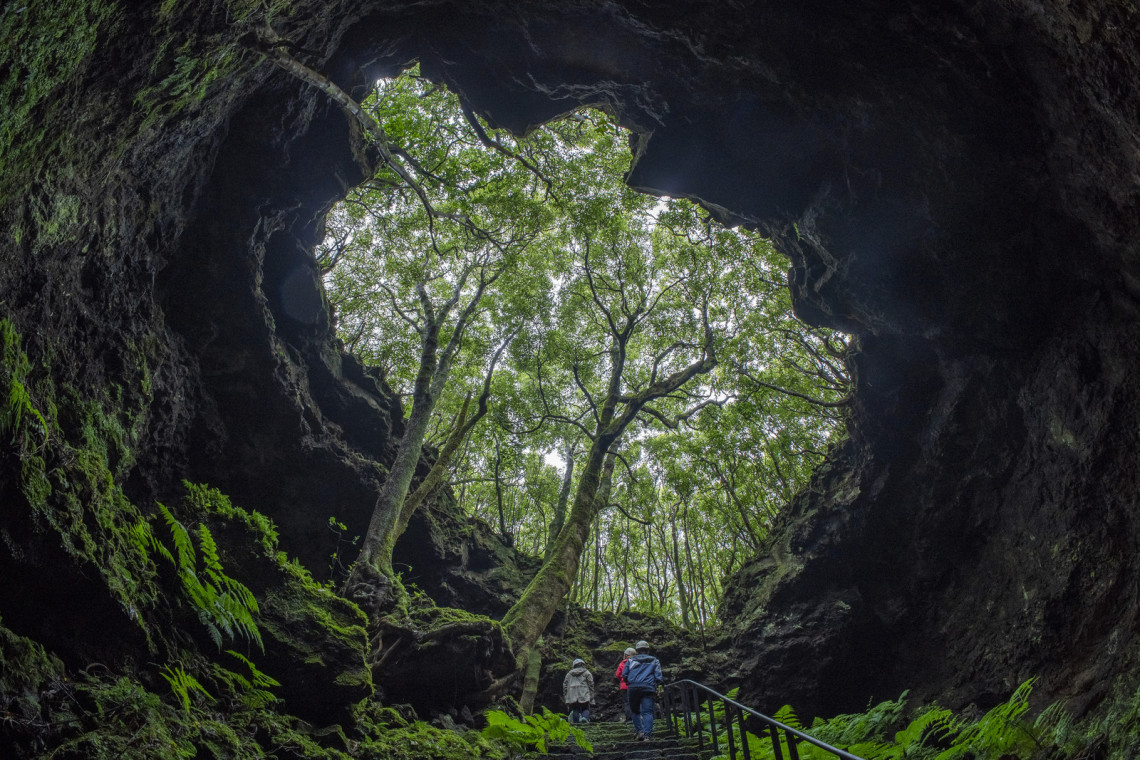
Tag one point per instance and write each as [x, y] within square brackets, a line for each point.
[578, 691]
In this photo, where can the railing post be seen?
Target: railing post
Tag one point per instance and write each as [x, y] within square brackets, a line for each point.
[688, 700]
[688, 708]
[775, 733]
[728, 725]
[744, 737]
[793, 752]
[712, 723]
[700, 726]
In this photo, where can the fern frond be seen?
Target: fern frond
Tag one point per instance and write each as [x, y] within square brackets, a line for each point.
[999, 732]
[788, 717]
[253, 692]
[241, 594]
[259, 678]
[183, 685]
[877, 751]
[932, 728]
[183, 546]
[210, 560]
[215, 634]
[145, 539]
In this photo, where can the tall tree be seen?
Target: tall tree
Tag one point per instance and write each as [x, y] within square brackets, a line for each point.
[637, 326]
[633, 314]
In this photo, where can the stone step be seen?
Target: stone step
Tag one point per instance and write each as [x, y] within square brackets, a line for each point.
[615, 741]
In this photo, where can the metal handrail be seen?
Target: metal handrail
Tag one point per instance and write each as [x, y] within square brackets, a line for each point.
[689, 701]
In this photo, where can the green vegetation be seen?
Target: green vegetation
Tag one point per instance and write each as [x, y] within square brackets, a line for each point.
[1008, 731]
[67, 477]
[188, 702]
[224, 605]
[108, 717]
[51, 42]
[533, 731]
[646, 346]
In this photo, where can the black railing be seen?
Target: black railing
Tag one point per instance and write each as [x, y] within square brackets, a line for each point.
[688, 704]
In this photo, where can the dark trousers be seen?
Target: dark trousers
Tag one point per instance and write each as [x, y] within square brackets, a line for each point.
[579, 712]
[641, 702]
[625, 705]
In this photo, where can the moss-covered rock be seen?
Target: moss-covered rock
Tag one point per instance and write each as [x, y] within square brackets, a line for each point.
[315, 641]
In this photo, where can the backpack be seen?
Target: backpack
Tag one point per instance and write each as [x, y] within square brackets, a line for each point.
[640, 672]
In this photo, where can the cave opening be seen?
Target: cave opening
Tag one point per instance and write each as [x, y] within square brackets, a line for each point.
[542, 293]
[892, 234]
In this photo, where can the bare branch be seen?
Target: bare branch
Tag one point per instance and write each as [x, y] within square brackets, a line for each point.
[845, 401]
[497, 146]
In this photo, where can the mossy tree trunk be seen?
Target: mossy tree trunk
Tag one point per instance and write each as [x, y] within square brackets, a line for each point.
[388, 519]
[461, 427]
[379, 539]
[528, 618]
[372, 575]
[559, 518]
[531, 678]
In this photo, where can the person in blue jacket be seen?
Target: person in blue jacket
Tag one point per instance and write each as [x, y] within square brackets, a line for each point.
[643, 674]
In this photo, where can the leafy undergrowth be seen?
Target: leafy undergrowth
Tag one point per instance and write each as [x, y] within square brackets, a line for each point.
[195, 695]
[889, 731]
[104, 715]
[533, 732]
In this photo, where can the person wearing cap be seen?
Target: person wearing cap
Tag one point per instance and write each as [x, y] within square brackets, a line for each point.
[643, 674]
[623, 684]
[578, 691]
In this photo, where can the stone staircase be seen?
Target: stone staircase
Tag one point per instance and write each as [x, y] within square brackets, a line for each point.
[614, 741]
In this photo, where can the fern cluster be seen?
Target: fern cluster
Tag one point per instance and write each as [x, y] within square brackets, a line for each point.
[183, 685]
[534, 731]
[226, 607]
[253, 691]
[882, 732]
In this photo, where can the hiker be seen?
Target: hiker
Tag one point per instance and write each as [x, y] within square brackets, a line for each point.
[623, 684]
[578, 691]
[643, 674]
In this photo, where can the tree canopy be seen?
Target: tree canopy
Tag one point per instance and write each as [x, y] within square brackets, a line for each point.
[617, 381]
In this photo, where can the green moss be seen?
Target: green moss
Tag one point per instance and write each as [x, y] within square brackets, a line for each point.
[308, 623]
[191, 77]
[69, 482]
[426, 615]
[319, 628]
[58, 219]
[51, 43]
[27, 671]
[390, 734]
[295, 595]
[204, 502]
[420, 741]
[19, 417]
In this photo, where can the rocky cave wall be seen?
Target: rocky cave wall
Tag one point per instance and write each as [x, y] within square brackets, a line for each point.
[955, 185]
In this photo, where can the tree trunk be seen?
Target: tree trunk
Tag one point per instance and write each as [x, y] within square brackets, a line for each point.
[678, 570]
[597, 560]
[528, 618]
[458, 433]
[499, 494]
[380, 539]
[530, 680]
[559, 518]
